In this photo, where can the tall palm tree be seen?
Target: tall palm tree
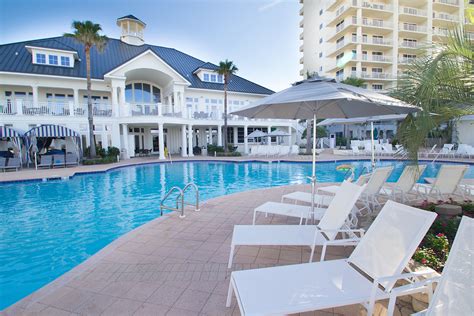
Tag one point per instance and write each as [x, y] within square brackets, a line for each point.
[87, 33]
[226, 68]
[440, 82]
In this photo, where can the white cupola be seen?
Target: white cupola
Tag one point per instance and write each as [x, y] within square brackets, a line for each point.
[132, 30]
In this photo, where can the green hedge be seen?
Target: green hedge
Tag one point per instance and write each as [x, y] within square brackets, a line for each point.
[100, 161]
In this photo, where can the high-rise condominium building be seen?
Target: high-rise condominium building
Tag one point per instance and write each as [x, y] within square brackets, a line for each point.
[373, 40]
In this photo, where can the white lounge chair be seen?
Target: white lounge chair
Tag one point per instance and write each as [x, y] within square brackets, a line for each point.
[388, 149]
[368, 275]
[444, 186]
[356, 151]
[399, 190]
[295, 150]
[324, 234]
[13, 163]
[467, 190]
[332, 189]
[447, 150]
[71, 159]
[464, 150]
[375, 182]
[3, 163]
[58, 161]
[305, 197]
[431, 152]
[453, 295]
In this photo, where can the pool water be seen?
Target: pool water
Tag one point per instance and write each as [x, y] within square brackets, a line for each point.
[47, 228]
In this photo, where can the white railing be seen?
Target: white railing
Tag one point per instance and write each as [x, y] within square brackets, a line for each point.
[145, 109]
[376, 75]
[376, 58]
[376, 23]
[441, 32]
[376, 41]
[409, 44]
[377, 6]
[51, 108]
[450, 2]
[413, 11]
[445, 16]
[412, 27]
[407, 60]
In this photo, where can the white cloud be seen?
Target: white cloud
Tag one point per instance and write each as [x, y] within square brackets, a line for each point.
[269, 5]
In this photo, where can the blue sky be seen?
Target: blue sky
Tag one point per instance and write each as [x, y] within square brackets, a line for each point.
[260, 36]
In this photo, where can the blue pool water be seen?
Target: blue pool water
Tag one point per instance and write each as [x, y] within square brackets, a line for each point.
[47, 228]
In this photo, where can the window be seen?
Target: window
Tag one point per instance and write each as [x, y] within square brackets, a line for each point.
[53, 59]
[377, 87]
[40, 58]
[320, 68]
[220, 78]
[206, 77]
[321, 26]
[213, 78]
[142, 93]
[321, 12]
[320, 54]
[320, 40]
[65, 61]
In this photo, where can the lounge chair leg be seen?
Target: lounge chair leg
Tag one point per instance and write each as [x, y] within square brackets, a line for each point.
[231, 256]
[254, 216]
[323, 253]
[229, 295]
[312, 254]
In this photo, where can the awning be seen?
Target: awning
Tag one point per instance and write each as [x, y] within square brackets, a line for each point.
[51, 131]
[9, 132]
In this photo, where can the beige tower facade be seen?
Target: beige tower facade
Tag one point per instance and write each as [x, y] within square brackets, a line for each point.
[373, 40]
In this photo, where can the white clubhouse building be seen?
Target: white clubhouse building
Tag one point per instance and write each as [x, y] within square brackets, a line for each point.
[145, 97]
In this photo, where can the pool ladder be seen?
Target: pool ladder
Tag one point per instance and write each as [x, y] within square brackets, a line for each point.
[180, 201]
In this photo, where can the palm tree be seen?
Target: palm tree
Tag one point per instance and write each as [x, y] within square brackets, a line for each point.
[87, 33]
[440, 82]
[226, 69]
[353, 81]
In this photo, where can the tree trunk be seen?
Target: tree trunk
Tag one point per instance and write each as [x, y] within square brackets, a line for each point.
[226, 148]
[309, 132]
[90, 118]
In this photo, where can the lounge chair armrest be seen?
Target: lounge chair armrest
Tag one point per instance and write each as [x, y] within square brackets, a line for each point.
[425, 272]
[360, 231]
[343, 242]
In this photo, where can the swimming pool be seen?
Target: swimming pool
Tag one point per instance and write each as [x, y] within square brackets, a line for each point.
[47, 228]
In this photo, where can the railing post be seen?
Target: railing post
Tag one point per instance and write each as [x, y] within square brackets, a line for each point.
[160, 109]
[71, 108]
[19, 107]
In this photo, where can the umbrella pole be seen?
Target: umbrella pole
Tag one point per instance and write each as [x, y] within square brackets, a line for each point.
[372, 145]
[313, 176]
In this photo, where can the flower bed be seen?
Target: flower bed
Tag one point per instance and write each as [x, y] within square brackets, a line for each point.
[434, 249]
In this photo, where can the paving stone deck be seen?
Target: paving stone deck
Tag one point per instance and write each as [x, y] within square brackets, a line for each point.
[172, 266]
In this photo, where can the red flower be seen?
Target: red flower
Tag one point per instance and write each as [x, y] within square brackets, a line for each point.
[423, 261]
[440, 235]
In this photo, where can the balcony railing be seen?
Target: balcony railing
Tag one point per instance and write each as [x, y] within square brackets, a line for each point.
[412, 28]
[376, 58]
[446, 17]
[50, 108]
[377, 6]
[450, 2]
[413, 11]
[376, 75]
[440, 32]
[376, 41]
[376, 23]
[407, 60]
[409, 44]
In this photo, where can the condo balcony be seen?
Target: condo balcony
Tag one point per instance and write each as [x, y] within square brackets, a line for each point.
[412, 15]
[376, 58]
[444, 17]
[376, 24]
[413, 11]
[409, 44]
[346, 26]
[447, 4]
[409, 28]
[376, 75]
[345, 8]
[47, 108]
[406, 60]
[378, 6]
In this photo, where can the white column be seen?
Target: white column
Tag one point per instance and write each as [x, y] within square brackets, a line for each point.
[202, 137]
[115, 101]
[115, 133]
[236, 139]
[190, 141]
[209, 131]
[183, 141]
[175, 101]
[219, 135]
[125, 140]
[161, 141]
[269, 130]
[124, 109]
[35, 95]
[290, 140]
[246, 141]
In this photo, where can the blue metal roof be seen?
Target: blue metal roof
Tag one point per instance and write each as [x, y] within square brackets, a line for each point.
[15, 57]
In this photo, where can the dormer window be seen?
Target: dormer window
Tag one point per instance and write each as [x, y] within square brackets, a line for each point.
[213, 78]
[41, 58]
[206, 77]
[53, 59]
[220, 78]
[65, 61]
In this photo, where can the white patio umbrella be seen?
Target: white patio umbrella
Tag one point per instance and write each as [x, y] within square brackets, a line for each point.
[364, 120]
[278, 133]
[257, 134]
[319, 97]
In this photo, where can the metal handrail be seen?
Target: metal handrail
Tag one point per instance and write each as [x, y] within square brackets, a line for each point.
[181, 195]
[180, 198]
[196, 189]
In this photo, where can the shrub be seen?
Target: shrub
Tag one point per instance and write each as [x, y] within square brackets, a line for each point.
[100, 161]
[229, 154]
[435, 251]
[113, 151]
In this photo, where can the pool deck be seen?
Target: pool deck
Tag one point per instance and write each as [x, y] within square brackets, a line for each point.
[172, 266]
[28, 174]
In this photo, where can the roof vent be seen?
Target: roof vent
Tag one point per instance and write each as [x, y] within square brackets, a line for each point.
[132, 30]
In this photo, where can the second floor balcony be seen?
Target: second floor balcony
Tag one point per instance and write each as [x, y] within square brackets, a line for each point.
[48, 108]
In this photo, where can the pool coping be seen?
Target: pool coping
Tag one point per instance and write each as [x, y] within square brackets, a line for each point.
[113, 167]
